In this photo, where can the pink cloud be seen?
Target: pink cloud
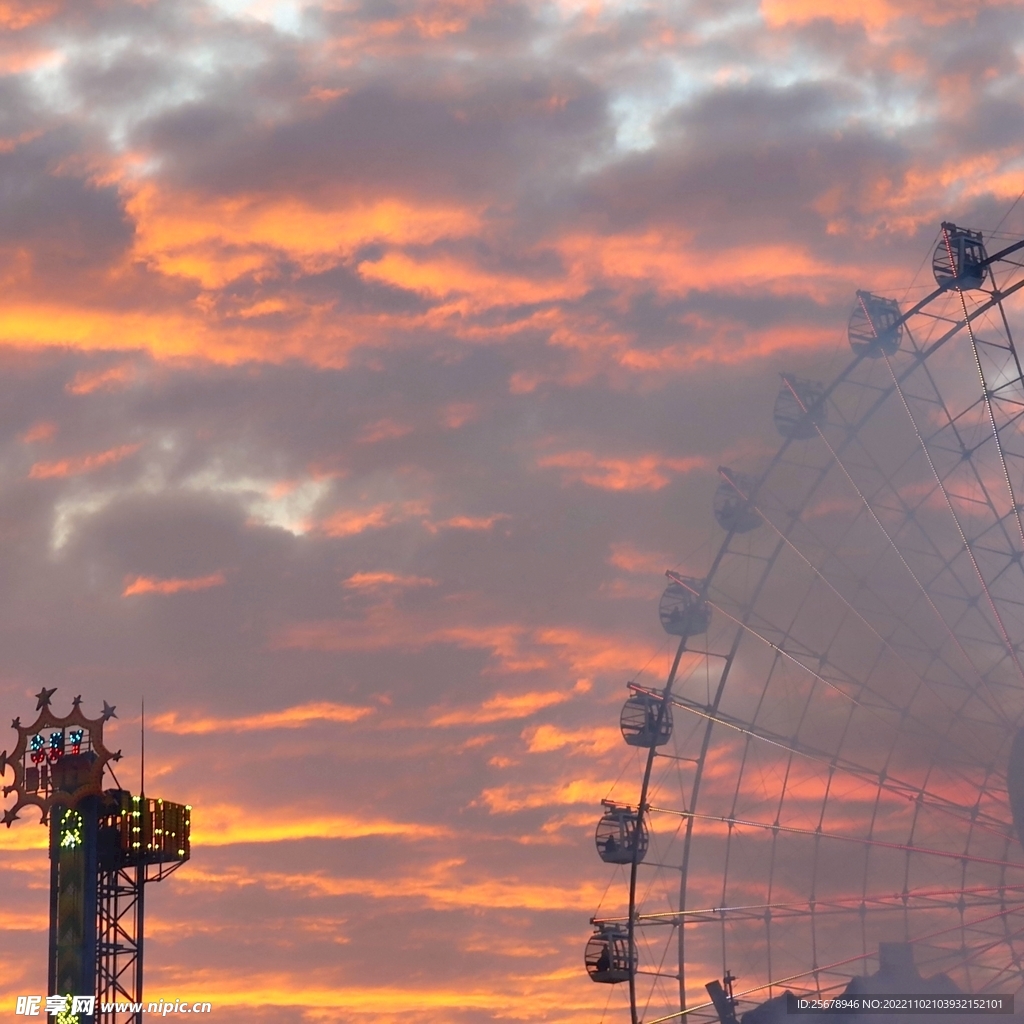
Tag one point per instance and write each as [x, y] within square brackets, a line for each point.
[640, 473]
[153, 585]
[81, 464]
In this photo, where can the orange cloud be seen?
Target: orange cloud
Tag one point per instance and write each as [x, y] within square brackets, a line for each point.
[376, 580]
[289, 718]
[87, 381]
[724, 342]
[383, 430]
[442, 885]
[15, 16]
[874, 14]
[624, 590]
[195, 331]
[349, 522]
[631, 559]
[24, 834]
[514, 648]
[508, 645]
[589, 654]
[644, 473]
[83, 464]
[151, 585]
[572, 819]
[227, 825]
[503, 707]
[545, 994]
[511, 798]
[467, 522]
[672, 263]
[41, 431]
[458, 414]
[25, 922]
[467, 288]
[498, 761]
[320, 94]
[217, 240]
[597, 740]
[382, 628]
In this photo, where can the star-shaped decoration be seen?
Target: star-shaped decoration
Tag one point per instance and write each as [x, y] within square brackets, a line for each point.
[43, 698]
[16, 722]
[108, 711]
[116, 757]
[9, 816]
[77, 701]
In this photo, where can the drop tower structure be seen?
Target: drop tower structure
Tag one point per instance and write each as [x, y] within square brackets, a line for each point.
[104, 846]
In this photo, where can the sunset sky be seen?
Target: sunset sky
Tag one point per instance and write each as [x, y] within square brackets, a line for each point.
[363, 366]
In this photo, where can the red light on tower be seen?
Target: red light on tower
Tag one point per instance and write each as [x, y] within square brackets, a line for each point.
[57, 760]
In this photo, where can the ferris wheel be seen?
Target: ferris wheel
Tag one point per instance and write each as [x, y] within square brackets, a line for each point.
[830, 764]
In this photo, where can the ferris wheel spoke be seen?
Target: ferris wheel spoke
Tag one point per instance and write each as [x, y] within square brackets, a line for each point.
[888, 783]
[791, 657]
[1012, 968]
[937, 317]
[921, 355]
[958, 325]
[788, 542]
[832, 967]
[902, 559]
[988, 405]
[1006, 324]
[908, 513]
[873, 776]
[1007, 938]
[661, 974]
[961, 451]
[778, 648]
[836, 592]
[962, 454]
[839, 837]
[973, 954]
[1001, 256]
[922, 674]
[938, 899]
[949, 504]
[984, 401]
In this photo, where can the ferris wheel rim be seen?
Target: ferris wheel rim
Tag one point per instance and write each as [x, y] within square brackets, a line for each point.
[995, 299]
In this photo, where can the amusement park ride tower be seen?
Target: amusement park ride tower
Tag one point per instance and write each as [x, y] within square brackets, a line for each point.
[105, 845]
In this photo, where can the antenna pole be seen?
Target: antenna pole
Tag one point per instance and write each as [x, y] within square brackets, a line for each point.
[140, 869]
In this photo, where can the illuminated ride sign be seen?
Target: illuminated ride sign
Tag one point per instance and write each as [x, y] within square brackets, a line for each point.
[57, 761]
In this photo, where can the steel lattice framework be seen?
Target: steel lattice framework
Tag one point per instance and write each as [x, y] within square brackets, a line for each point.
[120, 903]
[119, 939]
[836, 774]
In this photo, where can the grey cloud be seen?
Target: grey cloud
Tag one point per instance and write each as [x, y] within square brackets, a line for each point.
[70, 223]
[418, 139]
